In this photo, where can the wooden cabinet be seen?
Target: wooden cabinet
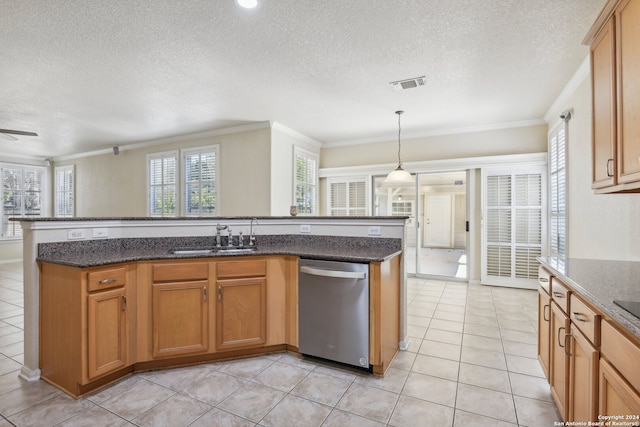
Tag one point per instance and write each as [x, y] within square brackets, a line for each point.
[180, 309]
[559, 358]
[617, 397]
[241, 318]
[544, 325]
[86, 324]
[615, 83]
[583, 378]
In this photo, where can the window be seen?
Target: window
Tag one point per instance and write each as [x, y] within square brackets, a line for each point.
[306, 181]
[557, 191]
[162, 173]
[200, 170]
[347, 197]
[64, 188]
[22, 196]
[513, 225]
[402, 208]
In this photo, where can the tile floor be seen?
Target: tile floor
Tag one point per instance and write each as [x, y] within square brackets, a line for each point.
[472, 362]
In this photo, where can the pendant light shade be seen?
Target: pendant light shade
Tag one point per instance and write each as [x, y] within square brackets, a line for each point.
[399, 175]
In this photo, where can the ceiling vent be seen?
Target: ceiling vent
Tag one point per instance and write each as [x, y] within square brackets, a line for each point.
[408, 83]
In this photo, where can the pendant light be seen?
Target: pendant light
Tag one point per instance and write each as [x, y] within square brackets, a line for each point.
[399, 175]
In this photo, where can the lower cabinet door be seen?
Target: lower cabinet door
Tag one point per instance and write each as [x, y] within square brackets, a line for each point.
[106, 332]
[241, 313]
[617, 397]
[544, 320]
[583, 379]
[559, 359]
[180, 318]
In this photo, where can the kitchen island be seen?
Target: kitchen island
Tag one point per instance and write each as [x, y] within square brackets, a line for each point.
[135, 265]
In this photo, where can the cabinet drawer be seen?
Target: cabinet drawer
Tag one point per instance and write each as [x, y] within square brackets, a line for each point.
[180, 272]
[544, 279]
[106, 279]
[237, 269]
[622, 353]
[560, 294]
[585, 319]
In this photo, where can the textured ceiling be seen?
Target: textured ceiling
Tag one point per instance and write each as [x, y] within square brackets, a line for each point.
[87, 75]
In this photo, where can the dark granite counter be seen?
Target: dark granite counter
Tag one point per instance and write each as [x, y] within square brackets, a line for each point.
[92, 253]
[600, 282]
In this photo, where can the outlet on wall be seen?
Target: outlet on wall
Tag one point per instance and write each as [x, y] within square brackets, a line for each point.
[100, 232]
[374, 230]
[76, 234]
[305, 228]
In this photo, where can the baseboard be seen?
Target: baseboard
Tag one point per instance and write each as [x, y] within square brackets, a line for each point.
[29, 375]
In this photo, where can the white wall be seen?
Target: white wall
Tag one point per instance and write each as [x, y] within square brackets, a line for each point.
[600, 226]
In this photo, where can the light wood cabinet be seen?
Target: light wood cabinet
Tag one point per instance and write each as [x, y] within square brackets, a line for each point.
[86, 324]
[241, 317]
[180, 308]
[559, 358]
[615, 83]
[544, 325]
[583, 378]
[617, 397]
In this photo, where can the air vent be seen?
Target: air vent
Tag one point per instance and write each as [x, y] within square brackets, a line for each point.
[408, 83]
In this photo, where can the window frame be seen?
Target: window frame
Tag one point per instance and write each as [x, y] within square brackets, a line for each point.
[70, 191]
[183, 186]
[348, 180]
[312, 187]
[163, 155]
[44, 197]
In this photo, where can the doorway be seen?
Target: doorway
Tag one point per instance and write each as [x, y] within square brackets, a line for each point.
[436, 231]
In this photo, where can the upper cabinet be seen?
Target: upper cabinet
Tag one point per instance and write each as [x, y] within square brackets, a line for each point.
[615, 84]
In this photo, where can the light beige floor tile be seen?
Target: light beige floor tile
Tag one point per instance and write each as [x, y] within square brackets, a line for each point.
[120, 387]
[440, 349]
[346, 374]
[410, 412]
[26, 396]
[437, 367]
[486, 402]
[416, 331]
[368, 402]
[252, 401]
[467, 419]
[447, 325]
[393, 380]
[219, 418]
[12, 338]
[418, 321]
[420, 312]
[432, 389]
[481, 376]
[178, 410]
[481, 320]
[459, 301]
[482, 311]
[92, 417]
[214, 387]
[339, 418]
[13, 349]
[291, 410]
[322, 388]
[422, 304]
[54, 410]
[477, 356]
[481, 330]
[404, 359]
[178, 378]
[8, 365]
[533, 413]
[245, 368]
[450, 308]
[520, 349]
[11, 381]
[447, 315]
[519, 336]
[524, 365]
[141, 397]
[528, 386]
[281, 376]
[444, 336]
[484, 343]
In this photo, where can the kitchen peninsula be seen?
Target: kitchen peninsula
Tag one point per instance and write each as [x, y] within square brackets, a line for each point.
[123, 278]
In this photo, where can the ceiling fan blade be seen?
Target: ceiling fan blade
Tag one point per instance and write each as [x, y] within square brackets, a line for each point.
[7, 137]
[18, 132]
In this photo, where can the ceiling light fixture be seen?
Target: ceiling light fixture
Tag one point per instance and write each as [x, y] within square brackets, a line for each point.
[399, 175]
[248, 4]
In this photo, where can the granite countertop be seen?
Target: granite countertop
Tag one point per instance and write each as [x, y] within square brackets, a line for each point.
[93, 253]
[600, 282]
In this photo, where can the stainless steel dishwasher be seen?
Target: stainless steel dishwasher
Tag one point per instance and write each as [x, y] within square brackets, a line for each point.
[333, 311]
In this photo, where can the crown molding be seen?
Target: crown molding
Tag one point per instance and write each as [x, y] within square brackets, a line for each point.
[576, 80]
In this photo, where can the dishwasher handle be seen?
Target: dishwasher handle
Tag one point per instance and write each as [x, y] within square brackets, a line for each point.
[333, 273]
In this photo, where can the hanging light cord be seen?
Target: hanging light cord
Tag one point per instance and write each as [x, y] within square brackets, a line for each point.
[399, 161]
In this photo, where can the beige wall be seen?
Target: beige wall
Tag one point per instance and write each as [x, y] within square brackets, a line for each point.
[520, 140]
[282, 144]
[600, 226]
[109, 185]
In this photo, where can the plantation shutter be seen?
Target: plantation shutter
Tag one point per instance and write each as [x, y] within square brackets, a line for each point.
[306, 181]
[557, 191]
[200, 181]
[162, 184]
[64, 194]
[348, 197]
[513, 224]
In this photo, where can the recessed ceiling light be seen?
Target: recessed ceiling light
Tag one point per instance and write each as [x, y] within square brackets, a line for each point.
[248, 4]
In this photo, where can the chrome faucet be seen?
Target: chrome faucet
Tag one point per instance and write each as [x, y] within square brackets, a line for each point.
[252, 238]
[230, 237]
[219, 228]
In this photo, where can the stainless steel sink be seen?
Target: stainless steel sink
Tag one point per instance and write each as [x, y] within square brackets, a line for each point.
[231, 250]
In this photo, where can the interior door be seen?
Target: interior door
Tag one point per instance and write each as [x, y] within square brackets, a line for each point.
[438, 221]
